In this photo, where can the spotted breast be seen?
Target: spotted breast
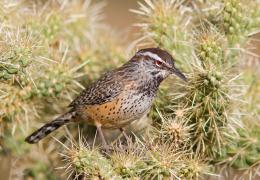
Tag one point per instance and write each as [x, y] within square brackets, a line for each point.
[125, 108]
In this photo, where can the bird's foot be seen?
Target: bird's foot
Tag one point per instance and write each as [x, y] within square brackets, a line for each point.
[106, 149]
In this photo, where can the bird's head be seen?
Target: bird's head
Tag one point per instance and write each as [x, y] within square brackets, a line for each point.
[157, 62]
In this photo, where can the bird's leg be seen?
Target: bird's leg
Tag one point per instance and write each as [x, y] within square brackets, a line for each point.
[104, 143]
[123, 132]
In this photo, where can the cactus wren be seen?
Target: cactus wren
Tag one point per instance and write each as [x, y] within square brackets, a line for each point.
[119, 97]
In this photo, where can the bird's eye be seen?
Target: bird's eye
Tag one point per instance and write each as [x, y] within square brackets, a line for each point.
[158, 63]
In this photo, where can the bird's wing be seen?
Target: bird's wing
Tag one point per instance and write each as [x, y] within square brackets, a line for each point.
[103, 90]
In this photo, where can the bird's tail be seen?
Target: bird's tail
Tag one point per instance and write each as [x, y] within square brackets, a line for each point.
[50, 127]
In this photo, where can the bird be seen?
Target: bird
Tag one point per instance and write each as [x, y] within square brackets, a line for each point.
[118, 97]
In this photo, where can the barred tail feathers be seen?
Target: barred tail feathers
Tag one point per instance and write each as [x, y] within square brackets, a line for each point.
[50, 127]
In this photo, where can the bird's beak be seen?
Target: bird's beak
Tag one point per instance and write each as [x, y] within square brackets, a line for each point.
[178, 73]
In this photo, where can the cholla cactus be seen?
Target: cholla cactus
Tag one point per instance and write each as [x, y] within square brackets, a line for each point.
[16, 110]
[128, 161]
[17, 53]
[209, 46]
[235, 23]
[193, 168]
[205, 106]
[163, 162]
[70, 21]
[236, 19]
[242, 152]
[36, 51]
[174, 132]
[56, 80]
[254, 12]
[82, 161]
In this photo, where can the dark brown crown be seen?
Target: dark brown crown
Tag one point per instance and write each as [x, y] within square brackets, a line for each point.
[155, 53]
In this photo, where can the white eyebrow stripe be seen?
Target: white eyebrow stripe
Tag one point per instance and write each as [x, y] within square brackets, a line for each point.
[151, 55]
